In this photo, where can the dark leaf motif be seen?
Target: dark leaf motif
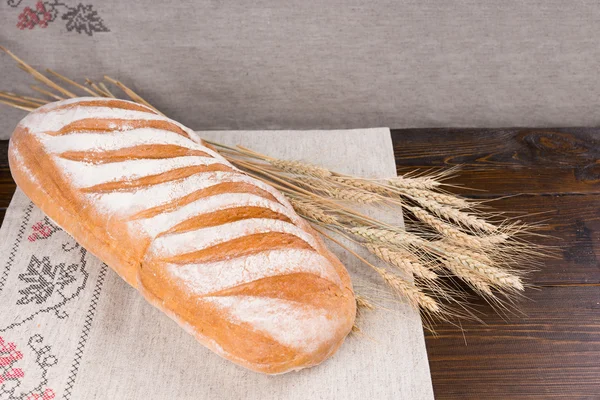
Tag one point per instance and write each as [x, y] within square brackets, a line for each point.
[52, 9]
[43, 279]
[83, 18]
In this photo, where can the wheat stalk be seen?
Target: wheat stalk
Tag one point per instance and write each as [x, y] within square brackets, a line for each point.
[474, 280]
[467, 245]
[460, 217]
[358, 196]
[400, 286]
[300, 168]
[402, 260]
[424, 183]
[494, 276]
[454, 234]
[384, 236]
[441, 198]
[362, 184]
[341, 193]
[409, 290]
[312, 211]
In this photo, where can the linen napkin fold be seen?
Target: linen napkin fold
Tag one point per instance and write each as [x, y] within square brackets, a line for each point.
[71, 329]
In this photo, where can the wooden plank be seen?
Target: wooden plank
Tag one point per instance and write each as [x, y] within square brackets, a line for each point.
[519, 147]
[554, 350]
[7, 187]
[572, 223]
[3, 154]
[551, 352]
[507, 161]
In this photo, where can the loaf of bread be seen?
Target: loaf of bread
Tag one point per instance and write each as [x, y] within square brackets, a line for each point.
[218, 251]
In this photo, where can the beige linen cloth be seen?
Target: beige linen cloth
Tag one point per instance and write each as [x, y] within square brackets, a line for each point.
[71, 329]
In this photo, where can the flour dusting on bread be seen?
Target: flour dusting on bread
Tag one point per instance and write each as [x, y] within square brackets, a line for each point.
[222, 253]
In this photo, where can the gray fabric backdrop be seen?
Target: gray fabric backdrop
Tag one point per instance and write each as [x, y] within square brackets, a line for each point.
[268, 64]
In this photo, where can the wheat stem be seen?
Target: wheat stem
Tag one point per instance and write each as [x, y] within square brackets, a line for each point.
[72, 82]
[47, 93]
[15, 105]
[457, 216]
[37, 75]
[403, 288]
[24, 102]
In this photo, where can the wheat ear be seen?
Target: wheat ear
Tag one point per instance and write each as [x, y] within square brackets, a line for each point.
[402, 260]
[300, 168]
[455, 235]
[460, 217]
[363, 184]
[441, 198]
[425, 183]
[312, 211]
[467, 275]
[409, 290]
[384, 236]
[493, 275]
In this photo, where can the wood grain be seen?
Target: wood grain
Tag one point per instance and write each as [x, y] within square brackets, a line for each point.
[572, 225]
[3, 153]
[7, 187]
[554, 350]
[507, 161]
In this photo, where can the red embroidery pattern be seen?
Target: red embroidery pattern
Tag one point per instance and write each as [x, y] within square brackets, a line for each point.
[44, 287]
[29, 18]
[47, 395]
[10, 377]
[8, 356]
[42, 230]
[80, 18]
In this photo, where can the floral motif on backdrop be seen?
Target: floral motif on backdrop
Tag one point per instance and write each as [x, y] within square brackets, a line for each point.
[81, 18]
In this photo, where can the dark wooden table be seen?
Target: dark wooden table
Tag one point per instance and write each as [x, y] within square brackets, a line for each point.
[554, 349]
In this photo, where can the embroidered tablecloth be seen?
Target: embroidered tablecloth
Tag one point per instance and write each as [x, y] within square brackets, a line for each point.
[71, 329]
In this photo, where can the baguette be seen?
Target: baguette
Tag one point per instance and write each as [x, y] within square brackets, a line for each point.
[221, 253]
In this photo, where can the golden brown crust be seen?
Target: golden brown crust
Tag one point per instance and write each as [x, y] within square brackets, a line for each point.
[123, 244]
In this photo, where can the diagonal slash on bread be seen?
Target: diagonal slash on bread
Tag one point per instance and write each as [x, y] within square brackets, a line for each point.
[218, 251]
